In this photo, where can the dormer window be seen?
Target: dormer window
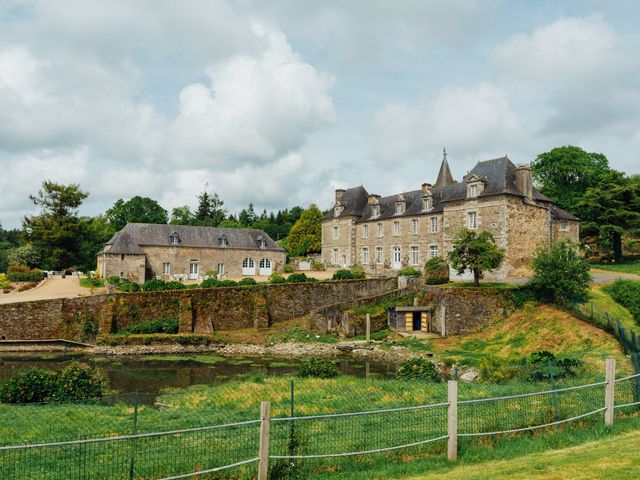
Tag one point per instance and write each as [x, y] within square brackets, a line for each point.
[401, 205]
[262, 242]
[174, 239]
[473, 190]
[475, 185]
[427, 203]
[337, 210]
[222, 241]
[375, 211]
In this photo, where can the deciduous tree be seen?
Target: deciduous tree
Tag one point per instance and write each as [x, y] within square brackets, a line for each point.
[136, 210]
[475, 252]
[306, 233]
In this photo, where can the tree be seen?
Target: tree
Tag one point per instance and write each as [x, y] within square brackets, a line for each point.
[565, 173]
[247, 216]
[475, 252]
[95, 232]
[561, 275]
[611, 209]
[56, 232]
[182, 216]
[210, 212]
[24, 255]
[306, 233]
[9, 239]
[136, 210]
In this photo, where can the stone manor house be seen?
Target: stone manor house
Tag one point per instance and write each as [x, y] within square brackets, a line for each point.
[384, 234]
[142, 251]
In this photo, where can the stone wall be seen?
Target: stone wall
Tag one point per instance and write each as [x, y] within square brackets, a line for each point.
[527, 229]
[572, 233]
[198, 310]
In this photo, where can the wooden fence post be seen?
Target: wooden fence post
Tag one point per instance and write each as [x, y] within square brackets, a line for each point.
[452, 430]
[609, 392]
[368, 328]
[263, 464]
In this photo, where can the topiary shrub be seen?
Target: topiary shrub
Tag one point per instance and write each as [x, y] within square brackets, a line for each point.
[228, 283]
[318, 368]
[276, 277]
[247, 281]
[174, 285]
[342, 274]
[210, 283]
[288, 268]
[153, 285]
[297, 278]
[436, 271]
[418, 369]
[409, 272]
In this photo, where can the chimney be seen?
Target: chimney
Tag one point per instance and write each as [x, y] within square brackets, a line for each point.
[372, 198]
[524, 182]
[427, 189]
[339, 193]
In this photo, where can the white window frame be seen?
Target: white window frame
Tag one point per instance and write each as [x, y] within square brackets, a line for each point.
[220, 269]
[365, 255]
[375, 211]
[336, 256]
[434, 224]
[336, 232]
[396, 228]
[397, 257]
[415, 226]
[380, 230]
[166, 268]
[248, 262]
[365, 231]
[415, 255]
[473, 190]
[564, 226]
[472, 220]
[400, 208]
[433, 251]
[379, 255]
[175, 240]
[427, 204]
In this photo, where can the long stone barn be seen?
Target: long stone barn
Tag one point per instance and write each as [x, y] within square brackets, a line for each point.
[142, 251]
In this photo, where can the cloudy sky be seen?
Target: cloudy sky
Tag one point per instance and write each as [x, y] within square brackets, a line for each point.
[279, 102]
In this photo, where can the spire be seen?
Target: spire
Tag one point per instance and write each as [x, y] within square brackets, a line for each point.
[444, 175]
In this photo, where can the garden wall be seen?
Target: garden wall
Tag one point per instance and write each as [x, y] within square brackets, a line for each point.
[198, 311]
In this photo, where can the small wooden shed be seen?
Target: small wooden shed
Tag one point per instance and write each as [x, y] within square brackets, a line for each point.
[411, 319]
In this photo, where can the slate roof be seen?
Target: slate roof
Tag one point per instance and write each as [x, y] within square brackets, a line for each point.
[498, 175]
[129, 240]
[558, 214]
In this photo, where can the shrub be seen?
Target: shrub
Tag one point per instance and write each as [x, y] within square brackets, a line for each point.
[91, 282]
[210, 283]
[165, 325]
[318, 266]
[20, 273]
[228, 283]
[74, 382]
[174, 285]
[276, 277]
[499, 370]
[153, 285]
[418, 369]
[409, 272]
[318, 368]
[517, 297]
[298, 278]
[342, 274]
[436, 271]
[543, 364]
[114, 280]
[128, 286]
[4, 282]
[627, 294]
[247, 281]
[288, 268]
[357, 271]
[561, 275]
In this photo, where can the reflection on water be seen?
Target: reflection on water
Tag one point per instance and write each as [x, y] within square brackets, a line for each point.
[152, 373]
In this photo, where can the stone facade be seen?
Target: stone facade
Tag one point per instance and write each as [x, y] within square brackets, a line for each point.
[141, 252]
[405, 230]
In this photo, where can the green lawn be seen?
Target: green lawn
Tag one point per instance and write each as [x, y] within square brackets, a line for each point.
[627, 267]
[483, 284]
[91, 282]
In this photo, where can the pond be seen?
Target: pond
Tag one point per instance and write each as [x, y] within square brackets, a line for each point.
[152, 373]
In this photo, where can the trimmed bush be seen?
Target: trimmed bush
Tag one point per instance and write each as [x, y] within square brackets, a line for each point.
[174, 285]
[128, 286]
[357, 271]
[627, 294]
[298, 278]
[342, 274]
[153, 285]
[276, 277]
[318, 368]
[418, 369]
[436, 271]
[247, 281]
[74, 382]
[228, 283]
[409, 272]
[288, 268]
[165, 325]
[210, 283]
[20, 273]
[114, 280]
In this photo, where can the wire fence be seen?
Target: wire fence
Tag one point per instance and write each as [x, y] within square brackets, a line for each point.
[197, 434]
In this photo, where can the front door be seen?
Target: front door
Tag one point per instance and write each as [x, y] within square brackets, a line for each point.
[397, 261]
[417, 321]
[193, 271]
[265, 267]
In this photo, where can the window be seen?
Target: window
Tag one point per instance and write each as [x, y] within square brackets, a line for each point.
[222, 241]
[380, 230]
[379, 255]
[434, 224]
[396, 227]
[415, 256]
[365, 231]
[564, 226]
[262, 242]
[221, 269]
[427, 203]
[400, 206]
[336, 258]
[337, 210]
[433, 251]
[396, 256]
[174, 239]
[336, 233]
[414, 226]
[166, 269]
[248, 263]
[473, 191]
[122, 258]
[265, 263]
[365, 256]
[473, 220]
[375, 210]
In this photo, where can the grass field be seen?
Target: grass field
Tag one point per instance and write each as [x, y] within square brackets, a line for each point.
[627, 267]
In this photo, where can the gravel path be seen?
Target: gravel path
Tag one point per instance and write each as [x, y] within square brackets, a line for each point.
[54, 287]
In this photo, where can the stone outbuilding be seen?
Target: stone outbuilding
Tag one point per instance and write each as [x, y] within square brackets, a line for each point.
[142, 251]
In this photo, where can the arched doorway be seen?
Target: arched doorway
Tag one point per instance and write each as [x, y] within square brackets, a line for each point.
[248, 266]
[265, 267]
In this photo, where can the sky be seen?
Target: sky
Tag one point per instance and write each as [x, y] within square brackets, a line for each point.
[280, 102]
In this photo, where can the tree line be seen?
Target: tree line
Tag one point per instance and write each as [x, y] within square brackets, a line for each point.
[58, 237]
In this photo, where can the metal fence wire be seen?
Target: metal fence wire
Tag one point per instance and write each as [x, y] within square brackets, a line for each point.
[219, 437]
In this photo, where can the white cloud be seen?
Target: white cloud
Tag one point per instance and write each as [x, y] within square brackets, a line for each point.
[256, 109]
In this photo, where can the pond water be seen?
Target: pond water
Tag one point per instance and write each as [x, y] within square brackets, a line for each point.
[153, 373]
